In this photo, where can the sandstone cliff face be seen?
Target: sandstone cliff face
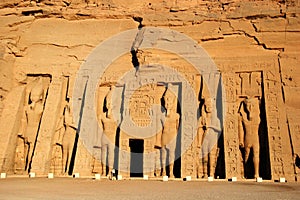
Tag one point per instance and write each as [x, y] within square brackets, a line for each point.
[75, 27]
[53, 38]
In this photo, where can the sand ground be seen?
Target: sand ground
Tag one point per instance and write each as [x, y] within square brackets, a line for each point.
[87, 188]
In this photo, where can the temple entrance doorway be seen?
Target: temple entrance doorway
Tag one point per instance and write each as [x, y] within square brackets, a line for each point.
[136, 157]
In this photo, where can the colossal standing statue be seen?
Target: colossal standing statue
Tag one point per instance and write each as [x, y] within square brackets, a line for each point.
[208, 134]
[109, 127]
[33, 113]
[169, 133]
[65, 139]
[249, 129]
[69, 137]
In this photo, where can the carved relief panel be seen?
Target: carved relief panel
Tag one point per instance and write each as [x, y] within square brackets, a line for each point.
[279, 144]
[245, 134]
[231, 146]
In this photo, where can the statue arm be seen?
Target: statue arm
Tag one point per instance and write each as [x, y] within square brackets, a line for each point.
[241, 131]
[200, 131]
[202, 122]
[60, 124]
[177, 122]
[60, 130]
[23, 125]
[69, 120]
[200, 134]
[101, 122]
[158, 136]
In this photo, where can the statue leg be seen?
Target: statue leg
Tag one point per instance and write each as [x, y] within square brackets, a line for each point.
[103, 159]
[64, 158]
[256, 160]
[172, 160]
[212, 161]
[26, 149]
[163, 160]
[29, 156]
[204, 160]
[241, 160]
[61, 164]
[110, 158]
[198, 163]
[157, 166]
[247, 153]
[69, 156]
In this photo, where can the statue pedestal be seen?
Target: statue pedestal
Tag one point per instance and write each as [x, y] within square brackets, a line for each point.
[259, 180]
[165, 178]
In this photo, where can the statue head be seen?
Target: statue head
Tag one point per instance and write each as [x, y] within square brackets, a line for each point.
[251, 106]
[208, 104]
[36, 93]
[69, 103]
[170, 100]
[109, 104]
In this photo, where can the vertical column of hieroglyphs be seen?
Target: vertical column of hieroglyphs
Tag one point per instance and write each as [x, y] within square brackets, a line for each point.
[279, 151]
[150, 92]
[231, 146]
[271, 90]
[124, 150]
[188, 132]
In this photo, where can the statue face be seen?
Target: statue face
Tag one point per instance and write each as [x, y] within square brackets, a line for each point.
[249, 104]
[251, 108]
[34, 97]
[36, 92]
[169, 103]
[108, 97]
[208, 105]
[108, 104]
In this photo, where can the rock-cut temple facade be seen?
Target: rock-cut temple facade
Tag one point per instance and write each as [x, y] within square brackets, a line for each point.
[187, 88]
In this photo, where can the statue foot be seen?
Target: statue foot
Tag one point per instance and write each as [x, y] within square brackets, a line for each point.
[157, 174]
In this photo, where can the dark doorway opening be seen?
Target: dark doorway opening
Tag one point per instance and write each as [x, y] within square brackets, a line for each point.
[136, 157]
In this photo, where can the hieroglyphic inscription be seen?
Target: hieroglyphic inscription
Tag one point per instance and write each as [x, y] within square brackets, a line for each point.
[188, 130]
[231, 145]
[272, 91]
